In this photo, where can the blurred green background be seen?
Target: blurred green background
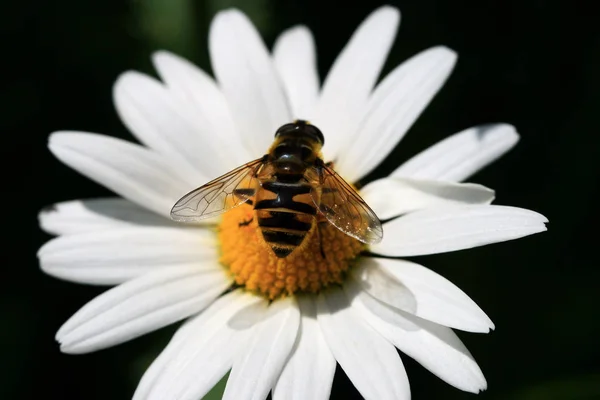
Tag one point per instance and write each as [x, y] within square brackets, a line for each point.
[532, 63]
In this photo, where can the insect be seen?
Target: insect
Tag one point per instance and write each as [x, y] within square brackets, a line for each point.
[292, 191]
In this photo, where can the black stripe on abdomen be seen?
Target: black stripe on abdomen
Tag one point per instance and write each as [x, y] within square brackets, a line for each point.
[275, 204]
[287, 220]
[285, 193]
[284, 231]
[282, 252]
[284, 222]
[283, 237]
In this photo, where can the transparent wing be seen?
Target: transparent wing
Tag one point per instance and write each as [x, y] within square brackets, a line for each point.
[344, 208]
[219, 195]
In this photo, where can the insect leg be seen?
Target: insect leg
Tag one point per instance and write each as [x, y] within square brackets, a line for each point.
[244, 193]
[246, 223]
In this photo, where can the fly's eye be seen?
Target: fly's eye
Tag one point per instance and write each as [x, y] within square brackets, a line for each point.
[306, 152]
[285, 128]
[316, 133]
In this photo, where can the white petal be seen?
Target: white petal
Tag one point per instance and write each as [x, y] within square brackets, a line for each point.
[199, 354]
[369, 360]
[308, 374]
[139, 306]
[295, 59]
[346, 89]
[391, 197]
[247, 76]
[163, 123]
[254, 374]
[462, 154]
[450, 228]
[81, 216]
[417, 290]
[435, 347]
[215, 128]
[392, 109]
[114, 256]
[127, 169]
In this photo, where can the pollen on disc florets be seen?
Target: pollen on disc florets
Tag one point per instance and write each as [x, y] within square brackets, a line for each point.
[252, 263]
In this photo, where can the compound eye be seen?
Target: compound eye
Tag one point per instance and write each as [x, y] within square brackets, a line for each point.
[316, 133]
[306, 152]
[285, 128]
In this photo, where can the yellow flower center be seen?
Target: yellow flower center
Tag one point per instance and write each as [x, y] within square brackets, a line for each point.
[253, 264]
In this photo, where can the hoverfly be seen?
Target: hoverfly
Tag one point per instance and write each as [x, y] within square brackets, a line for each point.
[291, 189]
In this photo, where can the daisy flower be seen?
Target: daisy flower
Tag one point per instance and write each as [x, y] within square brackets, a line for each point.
[279, 325]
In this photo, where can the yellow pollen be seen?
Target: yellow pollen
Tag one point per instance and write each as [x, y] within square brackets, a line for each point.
[253, 264]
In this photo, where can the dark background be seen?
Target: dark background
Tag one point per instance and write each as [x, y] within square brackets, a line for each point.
[534, 63]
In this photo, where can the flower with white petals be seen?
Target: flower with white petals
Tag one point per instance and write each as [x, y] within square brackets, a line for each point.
[279, 325]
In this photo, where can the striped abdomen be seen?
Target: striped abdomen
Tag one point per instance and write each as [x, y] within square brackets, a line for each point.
[285, 214]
